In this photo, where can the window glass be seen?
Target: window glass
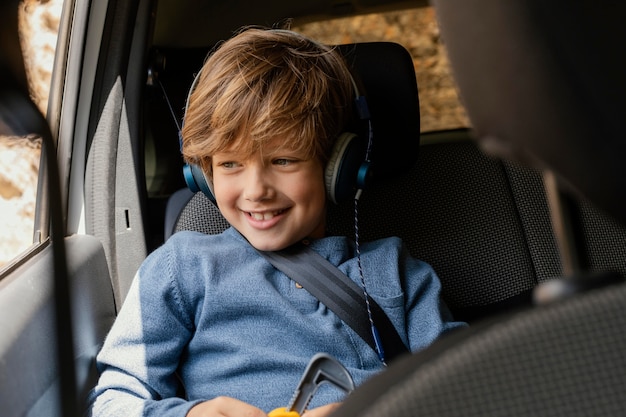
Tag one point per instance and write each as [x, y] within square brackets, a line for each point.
[19, 156]
[19, 167]
[418, 31]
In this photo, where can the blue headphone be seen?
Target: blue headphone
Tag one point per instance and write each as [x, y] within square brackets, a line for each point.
[347, 169]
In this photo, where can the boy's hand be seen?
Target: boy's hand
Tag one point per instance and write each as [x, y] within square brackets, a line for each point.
[225, 407]
[230, 407]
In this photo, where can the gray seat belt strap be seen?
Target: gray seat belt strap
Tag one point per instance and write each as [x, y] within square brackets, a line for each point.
[339, 293]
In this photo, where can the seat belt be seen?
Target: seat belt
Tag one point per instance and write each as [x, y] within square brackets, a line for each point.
[340, 294]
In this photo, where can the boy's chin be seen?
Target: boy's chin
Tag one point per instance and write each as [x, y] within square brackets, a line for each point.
[269, 244]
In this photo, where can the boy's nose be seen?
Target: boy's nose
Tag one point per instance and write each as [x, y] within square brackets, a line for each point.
[256, 187]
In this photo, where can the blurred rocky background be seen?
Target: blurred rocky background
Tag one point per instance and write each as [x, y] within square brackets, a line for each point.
[417, 30]
[39, 19]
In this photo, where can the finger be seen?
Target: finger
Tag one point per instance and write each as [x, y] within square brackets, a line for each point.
[225, 407]
[322, 411]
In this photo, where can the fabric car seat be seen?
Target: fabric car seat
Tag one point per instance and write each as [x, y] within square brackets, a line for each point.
[564, 359]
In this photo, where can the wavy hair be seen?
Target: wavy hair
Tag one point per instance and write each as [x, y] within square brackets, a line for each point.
[264, 84]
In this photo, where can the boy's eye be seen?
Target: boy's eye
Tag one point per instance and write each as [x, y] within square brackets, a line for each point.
[228, 164]
[283, 161]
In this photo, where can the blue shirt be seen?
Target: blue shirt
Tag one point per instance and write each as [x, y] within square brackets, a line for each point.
[210, 312]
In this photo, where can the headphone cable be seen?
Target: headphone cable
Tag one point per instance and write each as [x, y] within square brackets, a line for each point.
[365, 171]
[377, 341]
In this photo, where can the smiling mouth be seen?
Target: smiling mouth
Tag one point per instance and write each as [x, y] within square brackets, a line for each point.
[268, 215]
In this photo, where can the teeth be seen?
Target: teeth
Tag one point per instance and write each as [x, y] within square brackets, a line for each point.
[264, 216]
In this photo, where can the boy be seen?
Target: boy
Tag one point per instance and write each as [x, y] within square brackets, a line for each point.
[211, 314]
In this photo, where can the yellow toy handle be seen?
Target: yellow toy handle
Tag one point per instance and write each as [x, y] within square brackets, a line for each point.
[282, 412]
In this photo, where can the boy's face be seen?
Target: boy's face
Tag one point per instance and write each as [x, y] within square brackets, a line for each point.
[274, 198]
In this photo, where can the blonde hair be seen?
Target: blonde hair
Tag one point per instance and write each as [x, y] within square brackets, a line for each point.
[264, 84]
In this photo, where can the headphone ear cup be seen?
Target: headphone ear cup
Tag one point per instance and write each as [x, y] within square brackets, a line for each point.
[197, 181]
[341, 171]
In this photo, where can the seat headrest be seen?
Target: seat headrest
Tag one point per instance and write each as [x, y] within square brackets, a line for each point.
[384, 71]
[387, 75]
[543, 82]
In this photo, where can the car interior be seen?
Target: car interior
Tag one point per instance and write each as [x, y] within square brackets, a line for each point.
[521, 214]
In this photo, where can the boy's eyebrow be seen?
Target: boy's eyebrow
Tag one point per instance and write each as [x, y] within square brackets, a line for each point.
[283, 149]
[231, 152]
[222, 156]
[267, 149]
[225, 153]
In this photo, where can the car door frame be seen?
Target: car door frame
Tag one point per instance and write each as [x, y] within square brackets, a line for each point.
[32, 383]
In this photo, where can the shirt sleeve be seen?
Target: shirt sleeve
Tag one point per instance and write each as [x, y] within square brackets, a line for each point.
[140, 356]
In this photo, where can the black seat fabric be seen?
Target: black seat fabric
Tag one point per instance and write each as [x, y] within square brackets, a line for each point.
[603, 239]
[201, 215]
[539, 362]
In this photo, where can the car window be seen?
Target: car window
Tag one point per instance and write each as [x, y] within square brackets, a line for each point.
[19, 156]
[440, 107]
